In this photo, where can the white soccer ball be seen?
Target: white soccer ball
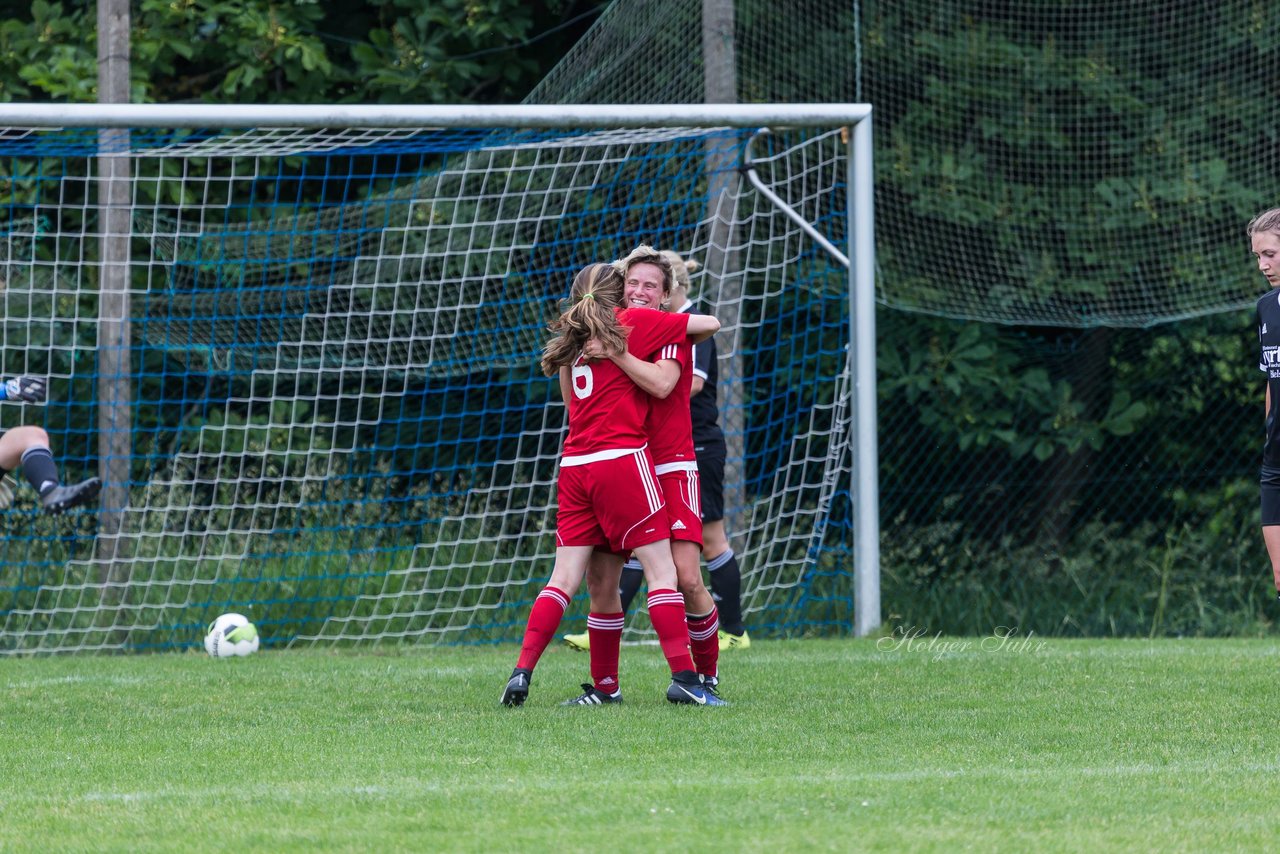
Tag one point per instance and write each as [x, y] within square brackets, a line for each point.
[231, 635]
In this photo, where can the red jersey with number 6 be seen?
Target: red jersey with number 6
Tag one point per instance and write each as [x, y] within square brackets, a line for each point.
[607, 411]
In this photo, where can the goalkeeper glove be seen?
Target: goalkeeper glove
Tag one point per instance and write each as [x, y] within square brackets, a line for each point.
[28, 389]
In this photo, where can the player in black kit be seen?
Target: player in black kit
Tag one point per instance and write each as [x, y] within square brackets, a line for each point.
[1264, 235]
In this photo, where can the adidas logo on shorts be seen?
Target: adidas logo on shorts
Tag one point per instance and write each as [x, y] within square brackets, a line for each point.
[678, 526]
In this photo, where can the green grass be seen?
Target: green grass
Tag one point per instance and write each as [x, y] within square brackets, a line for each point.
[1057, 745]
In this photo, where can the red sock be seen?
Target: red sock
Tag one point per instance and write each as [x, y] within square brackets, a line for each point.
[544, 619]
[704, 641]
[666, 613]
[605, 633]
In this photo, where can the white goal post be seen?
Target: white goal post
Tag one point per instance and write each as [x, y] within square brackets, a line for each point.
[312, 397]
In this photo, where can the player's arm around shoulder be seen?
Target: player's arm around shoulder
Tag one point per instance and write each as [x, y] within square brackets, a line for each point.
[701, 327]
[654, 378]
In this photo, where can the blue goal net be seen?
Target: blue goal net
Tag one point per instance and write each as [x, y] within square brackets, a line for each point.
[329, 407]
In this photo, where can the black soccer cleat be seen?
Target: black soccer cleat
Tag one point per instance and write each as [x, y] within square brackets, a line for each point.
[65, 496]
[517, 690]
[687, 688]
[593, 697]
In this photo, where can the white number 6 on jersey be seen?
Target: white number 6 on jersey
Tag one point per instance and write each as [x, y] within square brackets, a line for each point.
[582, 381]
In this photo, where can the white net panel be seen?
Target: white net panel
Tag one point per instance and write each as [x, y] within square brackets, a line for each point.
[338, 426]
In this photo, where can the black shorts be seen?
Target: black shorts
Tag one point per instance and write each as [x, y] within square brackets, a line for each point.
[1270, 495]
[711, 481]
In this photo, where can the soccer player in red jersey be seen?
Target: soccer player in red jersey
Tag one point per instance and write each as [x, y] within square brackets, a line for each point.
[607, 490]
[649, 282]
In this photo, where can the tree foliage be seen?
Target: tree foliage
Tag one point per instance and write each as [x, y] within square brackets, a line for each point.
[294, 51]
[1037, 163]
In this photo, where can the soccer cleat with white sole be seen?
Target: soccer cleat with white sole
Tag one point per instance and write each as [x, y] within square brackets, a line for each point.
[517, 690]
[593, 697]
[686, 688]
[65, 496]
[582, 642]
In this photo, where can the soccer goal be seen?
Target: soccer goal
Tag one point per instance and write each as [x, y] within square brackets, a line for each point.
[300, 346]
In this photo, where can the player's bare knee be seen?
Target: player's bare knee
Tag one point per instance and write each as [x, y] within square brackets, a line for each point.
[689, 583]
[26, 436]
[16, 441]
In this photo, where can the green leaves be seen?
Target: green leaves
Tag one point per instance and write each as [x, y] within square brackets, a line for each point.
[47, 54]
[1060, 159]
[981, 386]
[283, 51]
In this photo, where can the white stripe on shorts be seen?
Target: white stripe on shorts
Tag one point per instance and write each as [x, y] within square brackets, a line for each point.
[695, 492]
[651, 490]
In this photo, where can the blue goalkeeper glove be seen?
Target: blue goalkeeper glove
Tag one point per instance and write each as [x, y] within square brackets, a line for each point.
[27, 389]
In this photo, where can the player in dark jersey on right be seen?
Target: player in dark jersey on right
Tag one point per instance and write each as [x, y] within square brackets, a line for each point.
[1264, 237]
[607, 490]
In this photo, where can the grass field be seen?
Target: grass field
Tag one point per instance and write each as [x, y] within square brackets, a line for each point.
[901, 744]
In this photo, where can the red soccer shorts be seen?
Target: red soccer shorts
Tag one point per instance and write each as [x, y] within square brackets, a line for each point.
[683, 497]
[611, 501]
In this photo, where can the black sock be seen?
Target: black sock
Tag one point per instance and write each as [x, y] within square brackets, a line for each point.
[629, 585]
[40, 469]
[726, 589]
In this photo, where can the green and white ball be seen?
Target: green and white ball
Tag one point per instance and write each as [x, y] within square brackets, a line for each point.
[231, 635]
